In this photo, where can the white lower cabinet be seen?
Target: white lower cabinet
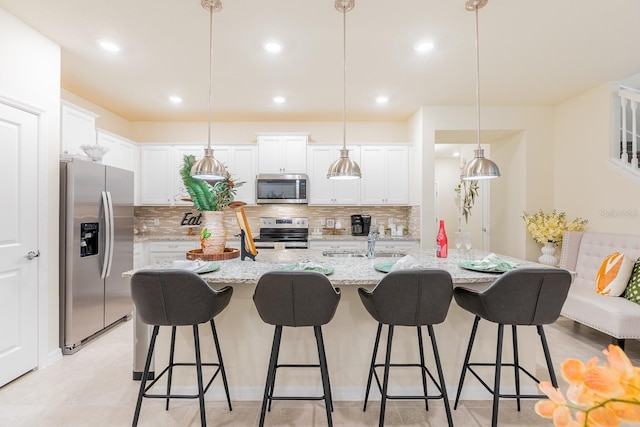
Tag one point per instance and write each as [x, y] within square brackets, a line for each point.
[338, 245]
[397, 245]
[164, 251]
[140, 255]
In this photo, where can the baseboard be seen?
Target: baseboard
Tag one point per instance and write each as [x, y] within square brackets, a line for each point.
[52, 357]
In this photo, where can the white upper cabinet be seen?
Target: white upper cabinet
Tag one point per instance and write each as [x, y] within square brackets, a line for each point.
[324, 191]
[122, 153]
[161, 183]
[282, 153]
[78, 127]
[156, 176]
[385, 175]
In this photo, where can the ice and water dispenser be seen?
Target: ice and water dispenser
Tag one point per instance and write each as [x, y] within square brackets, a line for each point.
[88, 239]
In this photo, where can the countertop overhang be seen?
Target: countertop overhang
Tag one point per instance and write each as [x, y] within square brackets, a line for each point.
[347, 271]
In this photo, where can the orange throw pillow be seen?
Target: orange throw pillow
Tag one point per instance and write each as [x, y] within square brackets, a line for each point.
[613, 275]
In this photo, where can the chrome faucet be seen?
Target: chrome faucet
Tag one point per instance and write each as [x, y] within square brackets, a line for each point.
[371, 245]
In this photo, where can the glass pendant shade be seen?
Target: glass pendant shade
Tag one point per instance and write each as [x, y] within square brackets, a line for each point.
[480, 167]
[208, 168]
[344, 167]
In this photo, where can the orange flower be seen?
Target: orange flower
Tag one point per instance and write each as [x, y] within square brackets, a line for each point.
[601, 396]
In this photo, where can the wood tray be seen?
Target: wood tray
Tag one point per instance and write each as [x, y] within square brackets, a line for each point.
[229, 253]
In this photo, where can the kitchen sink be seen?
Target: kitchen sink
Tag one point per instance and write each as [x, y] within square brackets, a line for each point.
[346, 254]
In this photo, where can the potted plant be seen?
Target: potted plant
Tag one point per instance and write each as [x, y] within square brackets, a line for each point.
[210, 199]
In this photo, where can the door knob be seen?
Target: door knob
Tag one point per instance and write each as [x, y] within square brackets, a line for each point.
[31, 255]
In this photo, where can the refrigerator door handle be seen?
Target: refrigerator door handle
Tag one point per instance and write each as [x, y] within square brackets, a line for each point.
[111, 229]
[107, 235]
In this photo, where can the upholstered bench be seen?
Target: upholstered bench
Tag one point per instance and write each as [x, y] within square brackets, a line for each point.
[583, 253]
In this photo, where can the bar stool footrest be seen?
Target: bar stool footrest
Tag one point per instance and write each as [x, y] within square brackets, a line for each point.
[408, 365]
[180, 396]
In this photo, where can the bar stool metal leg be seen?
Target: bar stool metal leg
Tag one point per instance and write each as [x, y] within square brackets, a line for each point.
[372, 367]
[496, 383]
[273, 382]
[516, 363]
[220, 362]
[422, 369]
[324, 372]
[145, 375]
[270, 372]
[547, 356]
[170, 373]
[385, 382]
[465, 365]
[443, 386]
[196, 342]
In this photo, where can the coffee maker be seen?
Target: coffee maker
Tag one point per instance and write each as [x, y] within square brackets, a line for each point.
[360, 224]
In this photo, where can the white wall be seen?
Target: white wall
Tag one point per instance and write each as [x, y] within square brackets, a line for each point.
[30, 74]
[107, 120]
[245, 132]
[532, 169]
[585, 185]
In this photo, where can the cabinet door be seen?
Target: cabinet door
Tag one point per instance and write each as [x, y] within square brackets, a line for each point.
[324, 191]
[269, 156]
[347, 192]
[294, 154]
[156, 183]
[320, 188]
[282, 154]
[385, 175]
[373, 186]
[242, 167]
[122, 152]
[77, 127]
[397, 170]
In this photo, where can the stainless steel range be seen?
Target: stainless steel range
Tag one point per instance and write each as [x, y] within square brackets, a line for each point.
[293, 232]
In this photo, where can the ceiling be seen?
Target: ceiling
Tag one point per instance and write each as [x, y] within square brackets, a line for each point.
[531, 53]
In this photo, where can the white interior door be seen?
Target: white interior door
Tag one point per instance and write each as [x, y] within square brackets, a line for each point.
[18, 237]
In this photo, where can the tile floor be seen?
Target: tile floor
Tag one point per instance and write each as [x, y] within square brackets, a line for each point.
[93, 388]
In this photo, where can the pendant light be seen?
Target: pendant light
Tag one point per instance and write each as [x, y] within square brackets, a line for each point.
[344, 168]
[479, 167]
[208, 168]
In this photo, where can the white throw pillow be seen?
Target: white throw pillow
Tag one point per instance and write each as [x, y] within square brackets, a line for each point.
[613, 275]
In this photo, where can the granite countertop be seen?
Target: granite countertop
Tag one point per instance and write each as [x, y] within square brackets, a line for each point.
[347, 271]
[146, 237]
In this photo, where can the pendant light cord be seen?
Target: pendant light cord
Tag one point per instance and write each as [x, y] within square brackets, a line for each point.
[478, 78]
[344, 78]
[210, 72]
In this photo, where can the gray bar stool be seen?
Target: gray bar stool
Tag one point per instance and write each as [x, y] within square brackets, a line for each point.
[178, 298]
[295, 299]
[525, 297]
[413, 298]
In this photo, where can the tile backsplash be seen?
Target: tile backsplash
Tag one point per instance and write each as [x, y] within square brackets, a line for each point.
[169, 219]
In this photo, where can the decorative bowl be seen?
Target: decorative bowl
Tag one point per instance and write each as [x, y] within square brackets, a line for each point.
[95, 152]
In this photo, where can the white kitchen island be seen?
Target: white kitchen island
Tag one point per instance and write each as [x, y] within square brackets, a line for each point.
[246, 340]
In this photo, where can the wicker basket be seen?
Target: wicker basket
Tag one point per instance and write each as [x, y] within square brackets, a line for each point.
[229, 253]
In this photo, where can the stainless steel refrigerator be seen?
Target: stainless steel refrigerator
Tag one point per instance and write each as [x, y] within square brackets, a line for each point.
[96, 246]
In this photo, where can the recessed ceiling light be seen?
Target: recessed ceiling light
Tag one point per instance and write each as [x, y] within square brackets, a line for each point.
[279, 99]
[108, 45]
[423, 47]
[456, 154]
[273, 46]
[175, 99]
[382, 99]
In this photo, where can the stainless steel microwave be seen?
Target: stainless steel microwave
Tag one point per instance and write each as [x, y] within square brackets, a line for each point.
[282, 188]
